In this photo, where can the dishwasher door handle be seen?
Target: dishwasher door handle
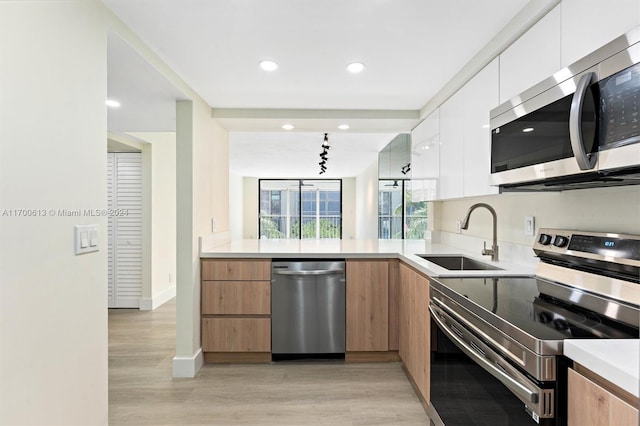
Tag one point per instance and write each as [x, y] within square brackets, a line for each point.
[311, 272]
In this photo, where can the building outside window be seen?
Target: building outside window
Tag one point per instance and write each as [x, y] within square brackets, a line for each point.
[296, 208]
[398, 216]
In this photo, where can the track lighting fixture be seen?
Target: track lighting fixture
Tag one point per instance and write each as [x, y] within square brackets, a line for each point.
[324, 154]
[325, 143]
[406, 168]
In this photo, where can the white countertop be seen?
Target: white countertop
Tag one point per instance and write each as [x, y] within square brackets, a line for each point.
[616, 360]
[406, 250]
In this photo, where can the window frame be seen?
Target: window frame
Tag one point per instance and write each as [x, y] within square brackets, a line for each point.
[300, 182]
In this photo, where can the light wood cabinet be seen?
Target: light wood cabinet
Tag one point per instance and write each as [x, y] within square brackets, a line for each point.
[236, 269]
[367, 300]
[415, 327]
[236, 335]
[236, 297]
[394, 283]
[592, 404]
[236, 310]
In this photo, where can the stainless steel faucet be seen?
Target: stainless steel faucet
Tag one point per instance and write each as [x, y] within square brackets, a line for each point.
[465, 225]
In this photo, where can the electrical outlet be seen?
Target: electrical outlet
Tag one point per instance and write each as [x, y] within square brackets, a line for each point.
[458, 227]
[529, 226]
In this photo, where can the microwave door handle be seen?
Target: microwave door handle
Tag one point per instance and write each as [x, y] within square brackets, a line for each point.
[586, 161]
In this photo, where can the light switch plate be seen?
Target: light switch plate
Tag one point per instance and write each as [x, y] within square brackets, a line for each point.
[87, 238]
[529, 226]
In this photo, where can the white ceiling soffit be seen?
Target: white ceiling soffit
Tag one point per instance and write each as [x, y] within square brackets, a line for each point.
[410, 48]
[295, 155]
[147, 99]
[306, 120]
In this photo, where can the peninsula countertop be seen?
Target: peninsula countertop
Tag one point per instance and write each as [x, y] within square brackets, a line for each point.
[406, 250]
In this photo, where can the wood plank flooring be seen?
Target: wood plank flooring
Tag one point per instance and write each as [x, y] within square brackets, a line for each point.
[142, 391]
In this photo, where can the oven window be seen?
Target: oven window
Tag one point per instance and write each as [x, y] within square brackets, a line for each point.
[464, 394]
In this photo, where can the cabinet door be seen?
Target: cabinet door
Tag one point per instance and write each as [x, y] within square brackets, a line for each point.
[236, 297]
[367, 305]
[394, 278]
[532, 58]
[422, 335]
[590, 404]
[590, 24]
[415, 327]
[451, 147]
[236, 334]
[425, 158]
[481, 95]
[404, 298]
[236, 269]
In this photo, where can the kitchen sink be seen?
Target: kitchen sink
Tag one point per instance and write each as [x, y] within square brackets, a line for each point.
[459, 263]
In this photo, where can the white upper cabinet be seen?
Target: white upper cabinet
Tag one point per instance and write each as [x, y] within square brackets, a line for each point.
[590, 24]
[451, 147]
[425, 158]
[533, 57]
[480, 96]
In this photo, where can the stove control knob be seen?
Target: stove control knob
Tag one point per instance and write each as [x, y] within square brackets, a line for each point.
[560, 241]
[545, 239]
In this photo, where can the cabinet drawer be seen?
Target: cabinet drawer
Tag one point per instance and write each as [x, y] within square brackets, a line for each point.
[236, 269]
[236, 334]
[236, 297]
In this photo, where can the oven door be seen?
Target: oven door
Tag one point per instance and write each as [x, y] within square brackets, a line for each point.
[472, 384]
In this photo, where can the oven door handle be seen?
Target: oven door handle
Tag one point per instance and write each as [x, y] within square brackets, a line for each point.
[522, 391]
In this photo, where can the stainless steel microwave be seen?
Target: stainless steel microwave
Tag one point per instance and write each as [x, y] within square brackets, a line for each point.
[579, 128]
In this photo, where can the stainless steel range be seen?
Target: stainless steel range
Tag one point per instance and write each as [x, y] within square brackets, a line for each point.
[498, 341]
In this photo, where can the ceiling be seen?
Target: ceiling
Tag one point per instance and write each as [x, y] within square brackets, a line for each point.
[410, 48]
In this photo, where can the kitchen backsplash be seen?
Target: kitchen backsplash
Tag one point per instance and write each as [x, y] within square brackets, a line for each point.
[615, 209]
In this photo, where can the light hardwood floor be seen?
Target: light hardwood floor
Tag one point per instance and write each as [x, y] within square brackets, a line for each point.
[142, 391]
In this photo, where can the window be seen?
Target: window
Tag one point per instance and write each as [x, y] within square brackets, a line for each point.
[398, 216]
[288, 205]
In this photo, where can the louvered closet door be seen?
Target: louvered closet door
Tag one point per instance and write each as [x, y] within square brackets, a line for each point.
[125, 230]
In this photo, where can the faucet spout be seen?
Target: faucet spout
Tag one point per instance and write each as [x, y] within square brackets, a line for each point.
[493, 252]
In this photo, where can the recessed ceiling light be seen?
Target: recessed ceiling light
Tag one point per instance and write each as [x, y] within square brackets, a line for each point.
[113, 103]
[355, 67]
[527, 129]
[268, 65]
[485, 126]
[343, 127]
[287, 126]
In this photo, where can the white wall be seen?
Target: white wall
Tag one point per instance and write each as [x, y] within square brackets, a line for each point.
[159, 156]
[348, 208]
[202, 161]
[236, 209]
[367, 203]
[250, 207]
[614, 209]
[53, 304]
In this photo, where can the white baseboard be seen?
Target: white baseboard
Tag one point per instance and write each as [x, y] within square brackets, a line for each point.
[187, 366]
[151, 303]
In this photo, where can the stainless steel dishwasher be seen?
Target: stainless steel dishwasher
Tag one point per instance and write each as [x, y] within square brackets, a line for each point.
[308, 307]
